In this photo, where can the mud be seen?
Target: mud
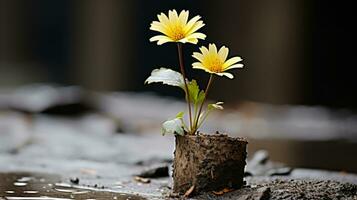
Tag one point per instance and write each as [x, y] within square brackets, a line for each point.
[26, 186]
[208, 162]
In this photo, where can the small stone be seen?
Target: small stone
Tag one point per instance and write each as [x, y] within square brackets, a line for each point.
[283, 171]
[155, 172]
[74, 180]
[142, 180]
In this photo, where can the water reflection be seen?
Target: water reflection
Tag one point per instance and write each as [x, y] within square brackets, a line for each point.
[24, 186]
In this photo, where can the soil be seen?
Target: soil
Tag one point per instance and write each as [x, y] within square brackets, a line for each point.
[208, 162]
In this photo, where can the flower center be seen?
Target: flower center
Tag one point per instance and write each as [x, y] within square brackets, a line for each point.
[177, 33]
[216, 65]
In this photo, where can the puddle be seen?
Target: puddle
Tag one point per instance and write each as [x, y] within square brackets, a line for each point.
[25, 186]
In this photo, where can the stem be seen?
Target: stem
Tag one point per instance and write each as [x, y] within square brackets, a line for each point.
[179, 49]
[203, 102]
[203, 119]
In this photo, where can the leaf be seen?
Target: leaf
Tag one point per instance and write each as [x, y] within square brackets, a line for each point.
[217, 106]
[221, 192]
[196, 96]
[180, 115]
[201, 97]
[173, 126]
[166, 76]
[189, 191]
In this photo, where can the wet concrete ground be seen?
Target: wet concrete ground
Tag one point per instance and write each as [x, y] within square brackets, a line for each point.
[30, 186]
[58, 150]
[42, 156]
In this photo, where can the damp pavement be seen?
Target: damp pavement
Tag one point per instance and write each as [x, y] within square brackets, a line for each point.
[52, 157]
[68, 149]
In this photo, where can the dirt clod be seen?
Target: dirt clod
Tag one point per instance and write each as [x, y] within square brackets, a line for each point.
[209, 162]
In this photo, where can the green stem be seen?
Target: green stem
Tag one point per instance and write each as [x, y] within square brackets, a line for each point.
[203, 102]
[179, 49]
[203, 119]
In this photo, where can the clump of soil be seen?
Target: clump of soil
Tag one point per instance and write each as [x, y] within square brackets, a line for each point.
[208, 162]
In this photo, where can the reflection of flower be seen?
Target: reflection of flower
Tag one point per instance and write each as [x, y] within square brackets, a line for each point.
[176, 28]
[215, 62]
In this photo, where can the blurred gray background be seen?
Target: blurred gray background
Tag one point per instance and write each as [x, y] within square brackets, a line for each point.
[295, 52]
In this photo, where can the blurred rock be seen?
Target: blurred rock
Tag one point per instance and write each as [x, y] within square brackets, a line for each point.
[260, 165]
[155, 172]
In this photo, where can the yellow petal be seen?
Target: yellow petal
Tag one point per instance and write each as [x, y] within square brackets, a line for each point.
[229, 75]
[161, 39]
[231, 61]
[223, 53]
[197, 35]
[198, 56]
[198, 65]
[193, 40]
[163, 19]
[191, 23]
[183, 17]
[204, 50]
[234, 66]
[195, 27]
[212, 49]
[156, 26]
[184, 40]
[173, 17]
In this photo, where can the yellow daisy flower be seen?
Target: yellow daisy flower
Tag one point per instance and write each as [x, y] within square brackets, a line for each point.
[177, 28]
[215, 62]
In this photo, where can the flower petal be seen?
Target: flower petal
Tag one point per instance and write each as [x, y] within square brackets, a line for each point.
[204, 50]
[223, 53]
[161, 39]
[212, 49]
[229, 75]
[195, 27]
[157, 26]
[173, 17]
[191, 23]
[192, 40]
[197, 36]
[198, 65]
[183, 17]
[231, 61]
[163, 19]
[234, 66]
[198, 56]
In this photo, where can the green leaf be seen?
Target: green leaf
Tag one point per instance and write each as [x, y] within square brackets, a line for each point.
[166, 76]
[173, 126]
[201, 97]
[217, 106]
[180, 115]
[196, 95]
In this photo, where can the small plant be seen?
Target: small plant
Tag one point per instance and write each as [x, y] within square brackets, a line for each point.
[179, 29]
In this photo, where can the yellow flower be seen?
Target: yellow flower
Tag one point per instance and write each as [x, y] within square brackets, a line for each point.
[177, 28]
[215, 62]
